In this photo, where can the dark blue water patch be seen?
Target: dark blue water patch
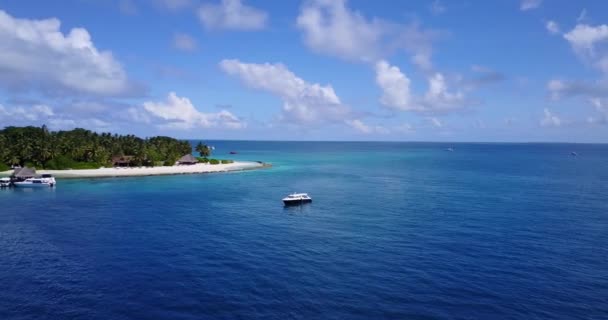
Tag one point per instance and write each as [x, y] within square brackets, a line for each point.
[395, 231]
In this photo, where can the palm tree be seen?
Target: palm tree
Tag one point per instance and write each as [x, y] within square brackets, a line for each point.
[203, 150]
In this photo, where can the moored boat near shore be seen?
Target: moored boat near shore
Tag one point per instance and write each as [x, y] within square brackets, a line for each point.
[46, 180]
[5, 182]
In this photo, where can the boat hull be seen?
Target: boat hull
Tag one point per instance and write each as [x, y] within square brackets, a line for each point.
[33, 185]
[296, 202]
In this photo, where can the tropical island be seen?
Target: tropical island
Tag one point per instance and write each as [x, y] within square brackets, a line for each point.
[84, 153]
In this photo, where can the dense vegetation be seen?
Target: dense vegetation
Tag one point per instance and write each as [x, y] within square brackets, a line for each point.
[80, 149]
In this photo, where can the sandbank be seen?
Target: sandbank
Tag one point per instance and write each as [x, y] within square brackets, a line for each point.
[150, 171]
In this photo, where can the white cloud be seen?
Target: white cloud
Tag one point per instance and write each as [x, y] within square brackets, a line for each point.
[303, 102]
[530, 4]
[552, 27]
[364, 128]
[437, 7]
[91, 123]
[549, 119]
[395, 87]
[36, 54]
[359, 126]
[184, 42]
[396, 92]
[232, 14]
[589, 43]
[584, 38]
[439, 98]
[20, 114]
[180, 113]
[330, 27]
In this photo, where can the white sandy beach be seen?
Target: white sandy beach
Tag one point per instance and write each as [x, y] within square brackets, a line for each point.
[149, 171]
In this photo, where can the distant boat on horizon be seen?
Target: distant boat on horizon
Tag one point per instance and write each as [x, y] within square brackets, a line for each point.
[233, 152]
[449, 149]
[573, 154]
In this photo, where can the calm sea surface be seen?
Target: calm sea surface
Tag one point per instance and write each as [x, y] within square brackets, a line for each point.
[396, 231]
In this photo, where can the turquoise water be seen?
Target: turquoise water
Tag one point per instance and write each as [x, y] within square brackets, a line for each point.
[396, 231]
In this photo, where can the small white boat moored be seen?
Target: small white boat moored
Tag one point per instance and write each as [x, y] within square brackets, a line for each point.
[46, 180]
[5, 182]
[297, 199]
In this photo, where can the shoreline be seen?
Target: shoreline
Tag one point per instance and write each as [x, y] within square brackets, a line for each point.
[198, 168]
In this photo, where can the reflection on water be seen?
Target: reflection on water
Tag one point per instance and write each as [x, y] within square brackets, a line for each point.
[302, 208]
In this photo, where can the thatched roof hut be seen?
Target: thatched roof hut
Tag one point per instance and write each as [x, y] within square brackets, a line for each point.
[187, 159]
[24, 173]
[121, 161]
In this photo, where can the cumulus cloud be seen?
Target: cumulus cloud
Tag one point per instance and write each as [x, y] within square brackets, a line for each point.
[184, 42]
[397, 95]
[589, 43]
[552, 27]
[395, 87]
[232, 14]
[331, 28]
[303, 102]
[35, 54]
[179, 113]
[530, 4]
[19, 114]
[39, 114]
[439, 98]
[549, 119]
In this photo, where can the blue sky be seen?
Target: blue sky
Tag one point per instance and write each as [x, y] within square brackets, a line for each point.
[508, 70]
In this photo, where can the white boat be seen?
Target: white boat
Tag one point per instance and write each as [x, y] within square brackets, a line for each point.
[296, 199]
[5, 182]
[46, 180]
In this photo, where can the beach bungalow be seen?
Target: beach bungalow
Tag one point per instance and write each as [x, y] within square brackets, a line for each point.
[187, 160]
[21, 174]
[121, 161]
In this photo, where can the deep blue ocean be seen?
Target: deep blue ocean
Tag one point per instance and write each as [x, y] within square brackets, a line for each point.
[395, 231]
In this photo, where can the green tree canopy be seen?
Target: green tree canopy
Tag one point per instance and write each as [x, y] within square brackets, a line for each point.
[84, 148]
